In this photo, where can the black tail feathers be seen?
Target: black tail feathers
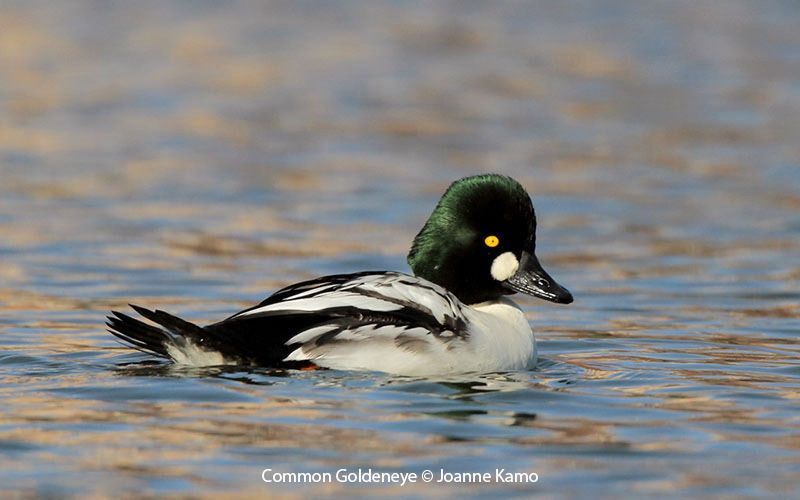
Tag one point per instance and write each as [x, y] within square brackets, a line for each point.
[151, 339]
[251, 341]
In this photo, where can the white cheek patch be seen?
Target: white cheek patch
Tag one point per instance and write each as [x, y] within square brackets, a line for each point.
[504, 266]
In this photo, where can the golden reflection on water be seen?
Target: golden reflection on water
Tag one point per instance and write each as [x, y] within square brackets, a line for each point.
[197, 159]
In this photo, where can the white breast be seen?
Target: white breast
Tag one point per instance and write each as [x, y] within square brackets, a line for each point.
[502, 338]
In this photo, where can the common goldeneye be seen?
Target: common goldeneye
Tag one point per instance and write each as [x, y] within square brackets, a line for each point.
[450, 317]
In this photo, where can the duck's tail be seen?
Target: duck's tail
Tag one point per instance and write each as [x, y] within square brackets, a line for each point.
[177, 339]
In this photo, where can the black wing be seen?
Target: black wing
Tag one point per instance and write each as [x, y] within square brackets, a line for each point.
[308, 315]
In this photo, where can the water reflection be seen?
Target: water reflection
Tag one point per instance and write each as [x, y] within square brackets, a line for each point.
[197, 157]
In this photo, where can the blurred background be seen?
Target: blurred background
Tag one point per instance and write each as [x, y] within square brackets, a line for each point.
[196, 155]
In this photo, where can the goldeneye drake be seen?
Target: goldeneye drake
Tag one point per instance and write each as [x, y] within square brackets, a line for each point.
[450, 317]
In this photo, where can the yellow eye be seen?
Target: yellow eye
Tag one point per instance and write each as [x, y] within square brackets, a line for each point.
[492, 241]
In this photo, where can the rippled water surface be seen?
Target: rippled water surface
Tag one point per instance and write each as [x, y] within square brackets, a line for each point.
[195, 156]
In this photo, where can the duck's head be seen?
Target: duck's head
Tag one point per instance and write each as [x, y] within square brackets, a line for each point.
[479, 243]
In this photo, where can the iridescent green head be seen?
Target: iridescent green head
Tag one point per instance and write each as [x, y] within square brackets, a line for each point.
[479, 243]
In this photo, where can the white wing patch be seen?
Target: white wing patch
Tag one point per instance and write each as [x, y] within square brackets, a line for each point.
[382, 292]
[327, 301]
[423, 294]
[312, 291]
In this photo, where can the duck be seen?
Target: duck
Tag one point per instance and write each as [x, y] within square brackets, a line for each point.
[451, 316]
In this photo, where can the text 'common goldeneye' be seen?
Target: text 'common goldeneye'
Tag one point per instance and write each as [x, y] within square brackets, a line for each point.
[451, 317]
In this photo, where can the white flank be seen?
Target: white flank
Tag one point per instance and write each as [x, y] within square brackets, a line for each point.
[504, 266]
[499, 339]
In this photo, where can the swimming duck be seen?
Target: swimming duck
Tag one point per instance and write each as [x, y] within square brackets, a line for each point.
[451, 317]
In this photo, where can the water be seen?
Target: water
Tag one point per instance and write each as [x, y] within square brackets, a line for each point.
[196, 156]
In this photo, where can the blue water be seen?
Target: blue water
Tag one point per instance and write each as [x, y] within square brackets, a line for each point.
[197, 156]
